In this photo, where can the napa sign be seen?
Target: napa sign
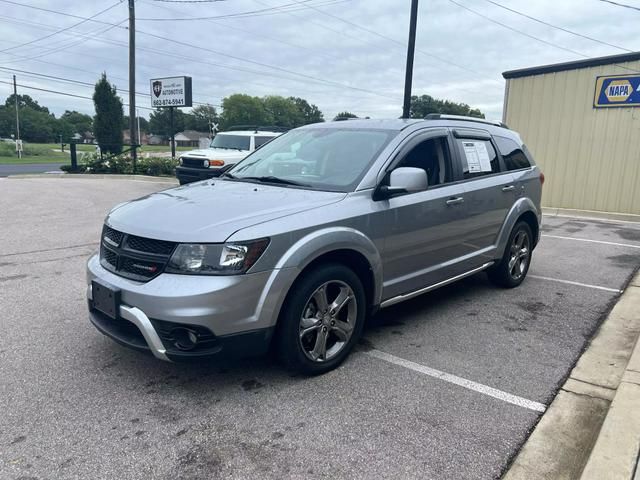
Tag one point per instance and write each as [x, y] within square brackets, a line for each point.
[617, 91]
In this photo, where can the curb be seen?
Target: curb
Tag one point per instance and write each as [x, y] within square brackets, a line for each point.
[141, 178]
[590, 214]
[591, 430]
[616, 451]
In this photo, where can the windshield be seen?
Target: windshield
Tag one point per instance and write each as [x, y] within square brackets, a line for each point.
[231, 142]
[323, 158]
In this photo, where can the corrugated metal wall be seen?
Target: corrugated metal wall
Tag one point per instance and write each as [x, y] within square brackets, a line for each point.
[590, 156]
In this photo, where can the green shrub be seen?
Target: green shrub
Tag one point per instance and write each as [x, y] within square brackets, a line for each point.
[122, 164]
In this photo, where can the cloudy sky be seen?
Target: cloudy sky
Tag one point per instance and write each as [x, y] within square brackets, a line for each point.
[338, 54]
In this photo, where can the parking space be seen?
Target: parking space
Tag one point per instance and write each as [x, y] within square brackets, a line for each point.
[447, 385]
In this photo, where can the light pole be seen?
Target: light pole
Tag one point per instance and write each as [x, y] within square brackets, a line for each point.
[132, 83]
[408, 79]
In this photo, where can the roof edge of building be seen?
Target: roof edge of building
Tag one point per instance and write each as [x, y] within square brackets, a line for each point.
[574, 65]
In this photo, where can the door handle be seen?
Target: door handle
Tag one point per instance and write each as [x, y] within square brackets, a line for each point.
[508, 188]
[455, 201]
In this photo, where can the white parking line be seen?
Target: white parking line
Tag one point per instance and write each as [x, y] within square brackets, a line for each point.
[569, 282]
[629, 245]
[461, 382]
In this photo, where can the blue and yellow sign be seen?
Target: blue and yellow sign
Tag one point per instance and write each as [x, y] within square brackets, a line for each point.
[617, 91]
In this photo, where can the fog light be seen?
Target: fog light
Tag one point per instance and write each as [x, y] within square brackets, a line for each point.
[184, 339]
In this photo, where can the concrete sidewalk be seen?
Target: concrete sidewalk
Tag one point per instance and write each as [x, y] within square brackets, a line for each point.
[592, 428]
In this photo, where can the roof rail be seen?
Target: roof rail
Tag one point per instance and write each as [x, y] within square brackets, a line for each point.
[258, 128]
[444, 116]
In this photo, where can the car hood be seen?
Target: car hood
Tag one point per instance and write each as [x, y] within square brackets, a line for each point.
[211, 211]
[214, 153]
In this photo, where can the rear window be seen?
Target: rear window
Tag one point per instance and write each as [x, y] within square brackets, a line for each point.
[262, 140]
[231, 142]
[513, 155]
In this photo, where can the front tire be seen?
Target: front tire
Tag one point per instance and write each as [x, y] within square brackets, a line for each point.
[321, 320]
[514, 265]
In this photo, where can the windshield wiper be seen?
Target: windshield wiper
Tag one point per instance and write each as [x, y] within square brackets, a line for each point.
[227, 175]
[272, 179]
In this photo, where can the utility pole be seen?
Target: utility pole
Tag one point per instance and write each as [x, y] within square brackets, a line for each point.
[408, 79]
[132, 83]
[15, 95]
[138, 126]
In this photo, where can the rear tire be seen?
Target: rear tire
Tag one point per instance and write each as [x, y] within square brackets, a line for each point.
[321, 320]
[514, 265]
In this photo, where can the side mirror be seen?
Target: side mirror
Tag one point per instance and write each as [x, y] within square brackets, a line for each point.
[403, 180]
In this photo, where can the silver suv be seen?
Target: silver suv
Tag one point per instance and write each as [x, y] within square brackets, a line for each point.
[298, 244]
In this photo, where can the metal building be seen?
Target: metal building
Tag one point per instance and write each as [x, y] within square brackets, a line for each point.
[581, 121]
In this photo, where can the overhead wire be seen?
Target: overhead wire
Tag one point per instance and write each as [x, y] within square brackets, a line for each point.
[64, 29]
[566, 30]
[618, 4]
[235, 57]
[541, 40]
[398, 42]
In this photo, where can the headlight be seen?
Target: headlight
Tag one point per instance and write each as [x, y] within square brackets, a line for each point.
[180, 161]
[216, 258]
[205, 163]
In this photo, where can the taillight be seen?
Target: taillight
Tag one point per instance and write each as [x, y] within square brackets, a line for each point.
[541, 178]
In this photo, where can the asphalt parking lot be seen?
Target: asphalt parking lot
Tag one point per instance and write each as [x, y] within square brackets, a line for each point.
[447, 385]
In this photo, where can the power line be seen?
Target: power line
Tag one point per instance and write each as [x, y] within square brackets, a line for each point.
[566, 30]
[189, 1]
[249, 13]
[235, 57]
[508, 27]
[62, 30]
[621, 5]
[254, 33]
[85, 84]
[397, 42]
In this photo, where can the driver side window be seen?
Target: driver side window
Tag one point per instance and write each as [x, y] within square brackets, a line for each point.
[431, 155]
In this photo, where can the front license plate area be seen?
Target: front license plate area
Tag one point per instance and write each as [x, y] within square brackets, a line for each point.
[105, 299]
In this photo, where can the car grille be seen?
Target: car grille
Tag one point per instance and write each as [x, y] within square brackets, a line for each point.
[193, 162]
[133, 257]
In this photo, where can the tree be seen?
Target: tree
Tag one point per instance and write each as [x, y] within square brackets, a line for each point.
[25, 101]
[240, 109]
[200, 118]
[284, 112]
[343, 115]
[160, 121]
[107, 124]
[79, 122]
[310, 113]
[36, 123]
[425, 104]
[144, 124]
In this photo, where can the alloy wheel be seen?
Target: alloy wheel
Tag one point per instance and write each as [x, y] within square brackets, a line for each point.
[520, 255]
[328, 321]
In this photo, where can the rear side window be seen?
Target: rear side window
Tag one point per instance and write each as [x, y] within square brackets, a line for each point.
[478, 157]
[513, 155]
[262, 140]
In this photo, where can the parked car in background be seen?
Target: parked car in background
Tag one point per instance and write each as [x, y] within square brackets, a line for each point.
[305, 238]
[226, 149]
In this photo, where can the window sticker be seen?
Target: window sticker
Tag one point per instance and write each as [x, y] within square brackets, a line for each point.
[477, 157]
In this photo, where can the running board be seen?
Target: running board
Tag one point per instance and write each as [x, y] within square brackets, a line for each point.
[407, 296]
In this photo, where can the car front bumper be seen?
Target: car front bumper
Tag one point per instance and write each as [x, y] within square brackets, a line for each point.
[233, 315]
[188, 174]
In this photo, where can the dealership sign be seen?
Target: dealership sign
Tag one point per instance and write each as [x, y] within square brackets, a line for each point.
[617, 91]
[171, 92]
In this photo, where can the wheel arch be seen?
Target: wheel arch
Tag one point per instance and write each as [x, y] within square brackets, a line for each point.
[525, 210]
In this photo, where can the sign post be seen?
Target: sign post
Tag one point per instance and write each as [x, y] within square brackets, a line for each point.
[171, 92]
